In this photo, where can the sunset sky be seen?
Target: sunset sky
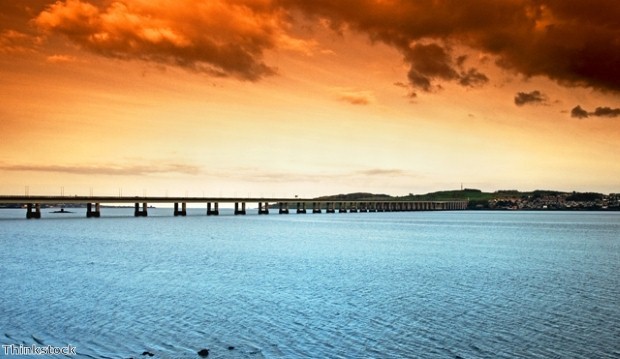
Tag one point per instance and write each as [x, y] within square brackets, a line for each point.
[297, 97]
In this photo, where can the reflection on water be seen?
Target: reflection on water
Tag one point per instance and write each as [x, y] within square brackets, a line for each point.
[409, 285]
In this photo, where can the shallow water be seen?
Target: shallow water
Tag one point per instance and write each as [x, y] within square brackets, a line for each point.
[460, 284]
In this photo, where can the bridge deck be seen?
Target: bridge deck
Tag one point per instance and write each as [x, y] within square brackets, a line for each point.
[155, 199]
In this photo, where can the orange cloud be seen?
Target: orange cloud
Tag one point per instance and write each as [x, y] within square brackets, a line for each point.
[222, 38]
[574, 43]
[356, 97]
[110, 169]
[59, 59]
[12, 41]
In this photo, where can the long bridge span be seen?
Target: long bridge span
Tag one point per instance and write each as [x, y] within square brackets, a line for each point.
[32, 204]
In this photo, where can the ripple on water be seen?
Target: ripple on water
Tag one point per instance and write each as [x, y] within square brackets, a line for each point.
[403, 285]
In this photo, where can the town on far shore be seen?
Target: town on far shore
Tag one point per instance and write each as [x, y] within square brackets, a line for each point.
[506, 199]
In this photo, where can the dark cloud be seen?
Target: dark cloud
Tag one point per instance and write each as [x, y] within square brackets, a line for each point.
[572, 42]
[429, 62]
[607, 112]
[530, 98]
[579, 112]
[473, 78]
[400, 84]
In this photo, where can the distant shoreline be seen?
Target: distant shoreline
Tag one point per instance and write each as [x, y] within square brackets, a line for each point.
[542, 200]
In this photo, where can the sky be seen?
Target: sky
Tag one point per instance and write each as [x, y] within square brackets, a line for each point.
[277, 98]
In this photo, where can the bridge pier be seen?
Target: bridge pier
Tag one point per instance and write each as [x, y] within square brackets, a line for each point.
[352, 208]
[140, 213]
[93, 213]
[362, 207]
[316, 207]
[301, 207]
[283, 207]
[239, 210]
[182, 212]
[33, 210]
[342, 207]
[213, 211]
[330, 207]
[263, 208]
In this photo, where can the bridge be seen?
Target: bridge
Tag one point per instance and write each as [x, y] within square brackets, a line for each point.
[32, 204]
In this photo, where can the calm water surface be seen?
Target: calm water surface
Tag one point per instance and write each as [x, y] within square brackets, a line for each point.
[367, 285]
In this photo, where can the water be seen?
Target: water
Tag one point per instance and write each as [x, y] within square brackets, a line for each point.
[367, 285]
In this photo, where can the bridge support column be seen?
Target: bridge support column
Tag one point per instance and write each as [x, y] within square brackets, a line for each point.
[263, 208]
[352, 207]
[342, 207]
[213, 211]
[93, 213]
[182, 211]
[316, 207]
[283, 207]
[362, 207]
[33, 210]
[239, 208]
[140, 212]
[301, 207]
[330, 207]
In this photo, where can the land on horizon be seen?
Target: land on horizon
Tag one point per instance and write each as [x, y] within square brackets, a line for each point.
[507, 199]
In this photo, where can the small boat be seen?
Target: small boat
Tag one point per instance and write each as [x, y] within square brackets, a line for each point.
[62, 210]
